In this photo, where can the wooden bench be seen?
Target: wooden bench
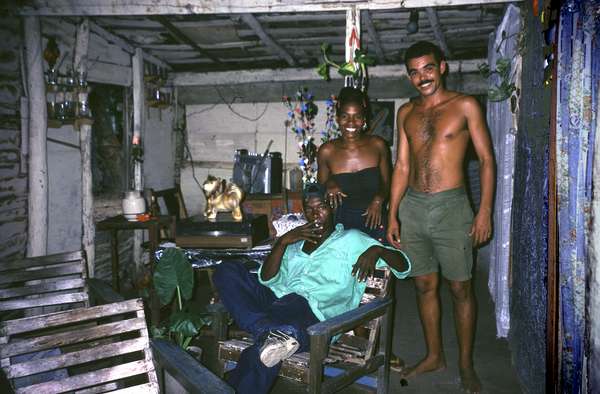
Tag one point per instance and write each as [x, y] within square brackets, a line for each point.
[36, 285]
[103, 348]
[349, 358]
[28, 283]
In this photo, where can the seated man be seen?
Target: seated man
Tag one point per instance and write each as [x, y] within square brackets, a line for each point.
[314, 272]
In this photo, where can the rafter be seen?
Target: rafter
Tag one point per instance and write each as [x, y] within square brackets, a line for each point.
[189, 7]
[125, 45]
[301, 74]
[374, 37]
[179, 35]
[434, 21]
[255, 25]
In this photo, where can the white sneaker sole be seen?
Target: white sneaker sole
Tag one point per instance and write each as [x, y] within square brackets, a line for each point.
[271, 358]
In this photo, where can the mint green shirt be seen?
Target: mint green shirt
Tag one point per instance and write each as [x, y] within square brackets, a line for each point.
[324, 277]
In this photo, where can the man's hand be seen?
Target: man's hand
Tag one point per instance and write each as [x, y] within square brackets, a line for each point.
[481, 231]
[393, 233]
[334, 194]
[310, 232]
[365, 265]
[373, 214]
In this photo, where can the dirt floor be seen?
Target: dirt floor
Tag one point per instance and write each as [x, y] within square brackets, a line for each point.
[492, 356]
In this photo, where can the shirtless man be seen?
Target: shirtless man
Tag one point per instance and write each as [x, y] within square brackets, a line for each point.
[429, 211]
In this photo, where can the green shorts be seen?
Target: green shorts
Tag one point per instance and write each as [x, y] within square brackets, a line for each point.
[434, 233]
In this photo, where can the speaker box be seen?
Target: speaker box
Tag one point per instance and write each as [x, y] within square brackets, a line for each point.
[256, 173]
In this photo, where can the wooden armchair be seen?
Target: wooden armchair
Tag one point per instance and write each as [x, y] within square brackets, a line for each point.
[328, 367]
[36, 285]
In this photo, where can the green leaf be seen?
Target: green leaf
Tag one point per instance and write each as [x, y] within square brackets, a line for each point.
[182, 323]
[347, 69]
[503, 67]
[362, 57]
[484, 69]
[323, 71]
[186, 343]
[366, 60]
[173, 271]
[497, 94]
[187, 324]
[158, 332]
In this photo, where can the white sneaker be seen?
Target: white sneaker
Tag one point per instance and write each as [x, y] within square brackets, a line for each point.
[278, 346]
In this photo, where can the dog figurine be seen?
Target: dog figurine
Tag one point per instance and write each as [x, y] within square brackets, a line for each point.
[222, 197]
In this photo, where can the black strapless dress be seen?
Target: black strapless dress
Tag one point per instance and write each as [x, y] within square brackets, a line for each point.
[360, 186]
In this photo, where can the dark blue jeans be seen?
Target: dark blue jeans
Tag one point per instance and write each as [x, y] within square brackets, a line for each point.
[257, 310]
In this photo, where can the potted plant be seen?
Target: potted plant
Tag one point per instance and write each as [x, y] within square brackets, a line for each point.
[174, 279]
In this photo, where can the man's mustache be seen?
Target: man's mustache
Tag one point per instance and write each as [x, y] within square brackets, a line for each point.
[424, 82]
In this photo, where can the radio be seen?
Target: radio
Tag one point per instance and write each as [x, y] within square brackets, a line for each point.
[256, 173]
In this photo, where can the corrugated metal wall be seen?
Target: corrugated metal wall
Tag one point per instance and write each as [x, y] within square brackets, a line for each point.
[13, 179]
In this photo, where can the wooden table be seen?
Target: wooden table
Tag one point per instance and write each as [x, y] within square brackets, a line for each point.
[116, 223]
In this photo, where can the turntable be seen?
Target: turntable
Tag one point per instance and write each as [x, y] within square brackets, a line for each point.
[197, 232]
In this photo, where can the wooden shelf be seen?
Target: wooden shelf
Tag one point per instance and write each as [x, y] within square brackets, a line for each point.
[76, 122]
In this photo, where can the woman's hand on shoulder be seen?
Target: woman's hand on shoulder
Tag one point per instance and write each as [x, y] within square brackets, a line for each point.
[334, 195]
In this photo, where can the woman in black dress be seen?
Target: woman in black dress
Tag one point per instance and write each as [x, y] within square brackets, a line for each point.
[355, 168]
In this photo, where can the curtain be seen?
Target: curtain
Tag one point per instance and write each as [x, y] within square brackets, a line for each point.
[578, 75]
[502, 121]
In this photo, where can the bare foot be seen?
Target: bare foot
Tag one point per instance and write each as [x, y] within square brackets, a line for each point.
[425, 365]
[469, 381]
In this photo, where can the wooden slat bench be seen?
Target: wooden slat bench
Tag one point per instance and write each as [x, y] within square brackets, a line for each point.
[103, 348]
[36, 285]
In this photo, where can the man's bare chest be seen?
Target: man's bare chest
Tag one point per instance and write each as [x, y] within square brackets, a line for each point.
[429, 126]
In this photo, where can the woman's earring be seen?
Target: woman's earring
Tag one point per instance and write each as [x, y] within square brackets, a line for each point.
[364, 126]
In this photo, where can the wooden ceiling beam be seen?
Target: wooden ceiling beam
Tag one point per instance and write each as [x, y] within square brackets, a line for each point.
[374, 37]
[255, 25]
[190, 7]
[301, 74]
[180, 36]
[126, 46]
[434, 21]
[184, 47]
[236, 61]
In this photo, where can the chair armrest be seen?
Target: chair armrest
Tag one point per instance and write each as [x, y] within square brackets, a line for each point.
[101, 293]
[350, 319]
[192, 375]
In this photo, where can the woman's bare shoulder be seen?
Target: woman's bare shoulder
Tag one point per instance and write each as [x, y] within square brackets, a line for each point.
[327, 148]
[378, 142]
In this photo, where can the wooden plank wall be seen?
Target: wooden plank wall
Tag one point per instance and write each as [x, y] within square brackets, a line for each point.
[13, 167]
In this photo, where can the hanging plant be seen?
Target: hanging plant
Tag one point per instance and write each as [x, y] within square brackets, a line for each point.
[331, 130]
[356, 69]
[504, 90]
[301, 120]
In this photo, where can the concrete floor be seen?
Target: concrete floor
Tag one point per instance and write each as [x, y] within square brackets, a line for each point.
[492, 356]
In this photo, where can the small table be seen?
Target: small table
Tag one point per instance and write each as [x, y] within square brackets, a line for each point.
[116, 223]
